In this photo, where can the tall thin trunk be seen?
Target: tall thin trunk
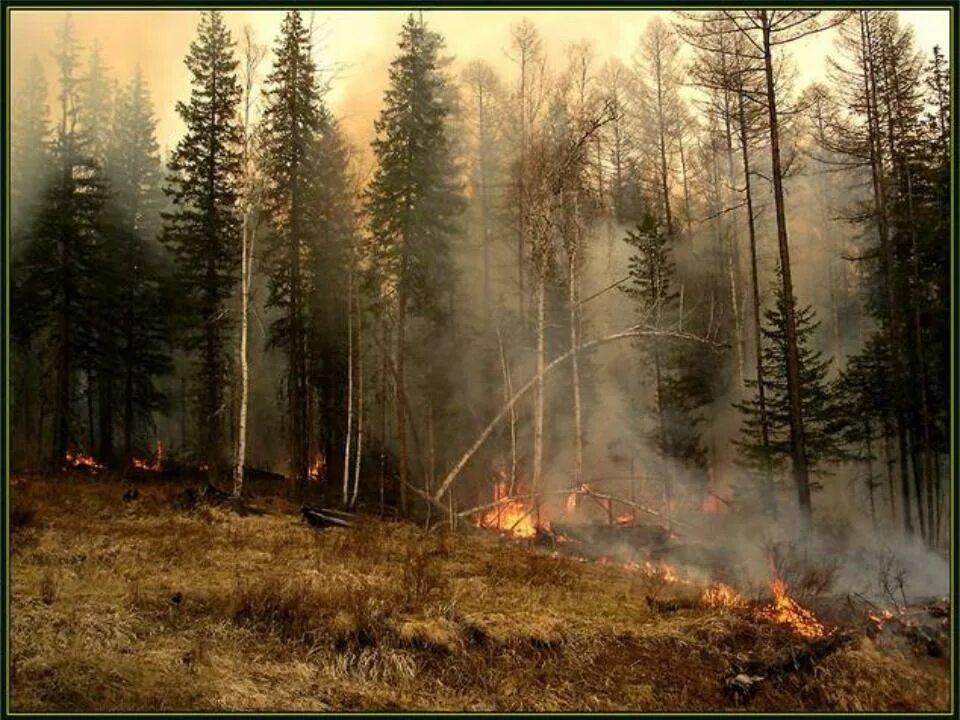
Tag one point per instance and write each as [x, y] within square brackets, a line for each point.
[507, 394]
[575, 365]
[797, 439]
[755, 288]
[359, 454]
[401, 397]
[383, 411]
[345, 496]
[240, 456]
[539, 398]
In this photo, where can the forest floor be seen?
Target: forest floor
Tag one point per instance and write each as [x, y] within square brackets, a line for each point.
[140, 605]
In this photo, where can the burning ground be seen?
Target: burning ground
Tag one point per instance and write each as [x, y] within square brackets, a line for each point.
[196, 607]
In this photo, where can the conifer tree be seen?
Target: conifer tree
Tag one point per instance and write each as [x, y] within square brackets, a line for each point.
[203, 224]
[55, 295]
[142, 292]
[413, 199]
[290, 130]
[822, 416]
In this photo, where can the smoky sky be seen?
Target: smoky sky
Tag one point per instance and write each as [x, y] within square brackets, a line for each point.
[354, 47]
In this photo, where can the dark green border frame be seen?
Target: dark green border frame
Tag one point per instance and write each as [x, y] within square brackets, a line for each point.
[9, 6]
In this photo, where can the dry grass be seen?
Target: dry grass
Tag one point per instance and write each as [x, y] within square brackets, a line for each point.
[138, 606]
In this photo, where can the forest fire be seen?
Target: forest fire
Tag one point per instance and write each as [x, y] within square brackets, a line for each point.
[317, 466]
[787, 611]
[82, 460]
[511, 514]
[155, 464]
[723, 596]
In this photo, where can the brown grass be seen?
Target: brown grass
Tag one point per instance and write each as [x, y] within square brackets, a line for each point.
[140, 606]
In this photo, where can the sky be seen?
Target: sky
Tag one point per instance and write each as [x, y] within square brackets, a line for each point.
[357, 45]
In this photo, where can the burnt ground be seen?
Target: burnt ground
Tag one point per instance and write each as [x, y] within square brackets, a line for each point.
[151, 603]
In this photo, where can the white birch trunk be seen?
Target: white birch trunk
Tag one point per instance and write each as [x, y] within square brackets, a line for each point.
[346, 445]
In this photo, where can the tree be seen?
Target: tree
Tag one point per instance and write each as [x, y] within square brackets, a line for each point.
[656, 65]
[142, 283]
[821, 410]
[251, 189]
[765, 30]
[204, 222]
[290, 127]
[413, 199]
[55, 295]
[679, 393]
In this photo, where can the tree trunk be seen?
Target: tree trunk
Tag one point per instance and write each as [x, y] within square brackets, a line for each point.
[345, 496]
[798, 449]
[539, 398]
[401, 398]
[241, 448]
[359, 455]
[755, 287]
[575, 363]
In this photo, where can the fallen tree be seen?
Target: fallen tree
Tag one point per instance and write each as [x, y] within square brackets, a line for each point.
[632, 332]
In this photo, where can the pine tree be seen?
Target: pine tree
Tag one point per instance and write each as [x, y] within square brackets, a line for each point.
[30, 175]
[142, 291]
[821, 413]
[290, 129]
[29, 153]
[681, 389]
[413, 199]
[329, 267]
[54, 298]
[203, 225]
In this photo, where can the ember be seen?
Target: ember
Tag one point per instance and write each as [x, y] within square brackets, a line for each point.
[317, 466]
[156, 464]
[82, 460]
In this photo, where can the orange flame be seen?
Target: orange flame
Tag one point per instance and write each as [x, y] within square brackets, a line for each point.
[723, 596]
[156, 465]
[627, 518]
[787, 611]
[317, 466]
[511, 515]
[79, 459]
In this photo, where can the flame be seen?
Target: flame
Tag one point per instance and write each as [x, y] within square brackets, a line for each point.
[317, 466]
[570, 505]
[786, 611]
[511, 515]
[711, 504]
[79, 459]
[626, 519]
[723, 596]
[156, 464]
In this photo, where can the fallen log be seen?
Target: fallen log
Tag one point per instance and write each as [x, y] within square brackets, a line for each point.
[326, 517]
[742, 682]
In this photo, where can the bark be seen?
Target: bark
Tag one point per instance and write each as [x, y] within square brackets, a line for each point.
[755, 287]
[401, 397]
[539, 397]
[575, 363]
[798, 449]
[349, 434]
[359, 455]
[241, 450]
[507, 394]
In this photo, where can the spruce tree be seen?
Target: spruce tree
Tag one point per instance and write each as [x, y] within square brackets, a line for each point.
[203, 225]
[55, 297]
[681, 388]
[143, 283]
[413, 200]
[822, 416]
[290, 132]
